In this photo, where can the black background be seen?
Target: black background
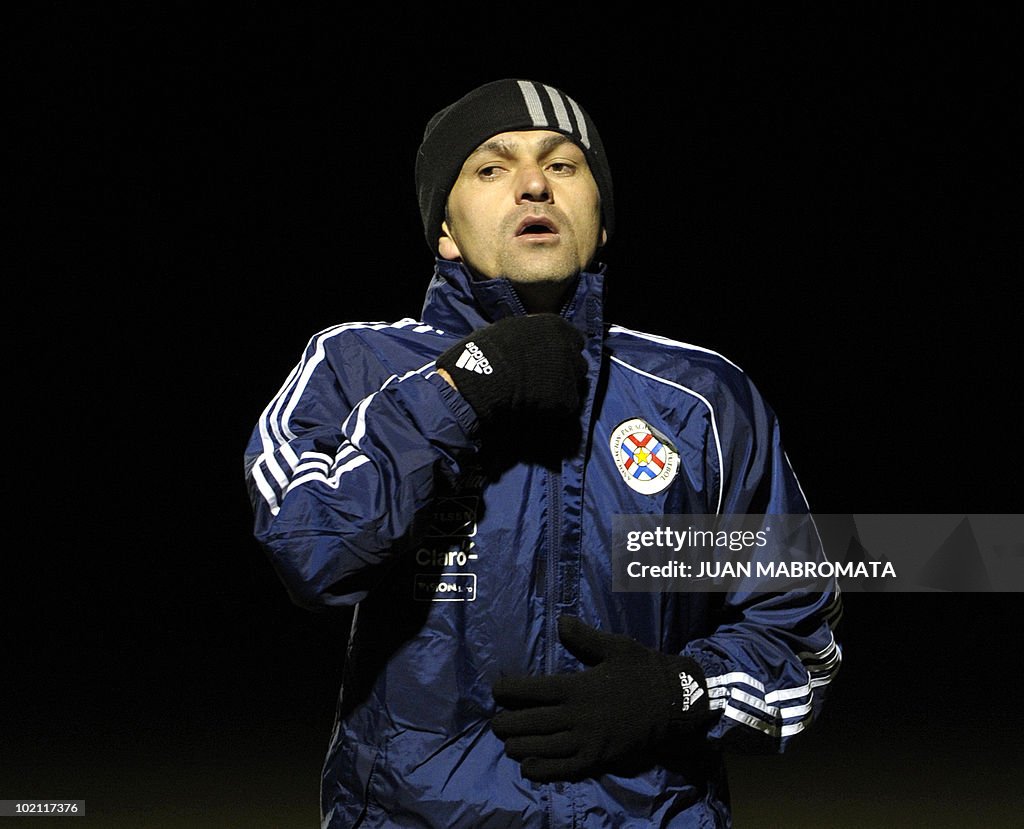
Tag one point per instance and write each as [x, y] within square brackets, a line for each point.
[826, 198]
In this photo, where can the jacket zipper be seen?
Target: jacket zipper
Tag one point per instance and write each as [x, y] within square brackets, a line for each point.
[551, 598]
[554, 555]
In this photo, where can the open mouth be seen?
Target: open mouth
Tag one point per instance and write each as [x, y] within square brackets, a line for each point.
[536, 226]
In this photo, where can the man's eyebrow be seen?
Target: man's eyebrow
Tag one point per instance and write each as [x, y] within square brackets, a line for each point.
[508, 149]
[553, 142]
[498, 146]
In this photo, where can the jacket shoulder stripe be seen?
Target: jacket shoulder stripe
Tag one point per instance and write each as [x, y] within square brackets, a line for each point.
[275, 432]
[274, 427]
[656, 338]
[319, 353]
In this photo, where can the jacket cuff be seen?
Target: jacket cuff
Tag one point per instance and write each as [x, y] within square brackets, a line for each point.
[456, 403]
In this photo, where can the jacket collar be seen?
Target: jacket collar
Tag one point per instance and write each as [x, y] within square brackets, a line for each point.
[458, 303]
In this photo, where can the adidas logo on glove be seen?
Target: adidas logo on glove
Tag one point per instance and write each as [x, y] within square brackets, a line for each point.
[691, 690]
[520, 364]
[473, 359]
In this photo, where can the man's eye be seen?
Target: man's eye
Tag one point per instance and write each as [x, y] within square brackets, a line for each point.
[491, 171]
[562, 167]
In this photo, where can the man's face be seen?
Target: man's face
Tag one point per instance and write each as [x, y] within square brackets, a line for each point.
[525, 206]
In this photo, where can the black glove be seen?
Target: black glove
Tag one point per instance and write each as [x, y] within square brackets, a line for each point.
[621, 710]
[526, 364]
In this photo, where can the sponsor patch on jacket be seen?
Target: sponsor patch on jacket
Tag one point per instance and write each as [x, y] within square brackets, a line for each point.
[647, 462]
[444, 587]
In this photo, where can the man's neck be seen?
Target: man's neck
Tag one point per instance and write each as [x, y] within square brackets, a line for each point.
[543, 297]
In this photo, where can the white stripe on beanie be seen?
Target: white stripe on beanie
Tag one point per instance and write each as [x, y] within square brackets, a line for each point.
[558, 104]
[533, 104]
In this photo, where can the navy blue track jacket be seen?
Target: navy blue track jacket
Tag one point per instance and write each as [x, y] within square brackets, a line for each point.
[370, 488]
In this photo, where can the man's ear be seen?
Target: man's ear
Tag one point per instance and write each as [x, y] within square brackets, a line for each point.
[446, 244]
[604, 238]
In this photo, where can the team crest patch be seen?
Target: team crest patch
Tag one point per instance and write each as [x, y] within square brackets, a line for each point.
[646, 462]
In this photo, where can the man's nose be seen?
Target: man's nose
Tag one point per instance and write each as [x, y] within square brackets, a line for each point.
[532, 185]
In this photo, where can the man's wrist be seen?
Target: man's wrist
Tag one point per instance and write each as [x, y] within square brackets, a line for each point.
[447, 378]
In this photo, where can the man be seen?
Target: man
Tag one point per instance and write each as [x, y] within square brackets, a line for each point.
[456, 478]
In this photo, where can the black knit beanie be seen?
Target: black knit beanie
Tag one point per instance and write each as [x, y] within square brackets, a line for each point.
[500, 106]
